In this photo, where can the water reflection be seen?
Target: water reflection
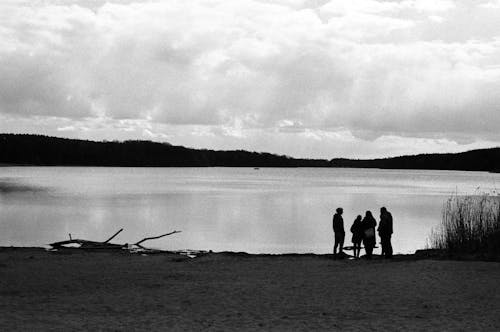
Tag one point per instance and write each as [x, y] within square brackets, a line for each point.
[270, 210]
[13, 186]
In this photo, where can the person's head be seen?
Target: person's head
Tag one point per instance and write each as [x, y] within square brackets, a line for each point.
[368, 214]
[340, 210]
[358, 218]
[383, 209]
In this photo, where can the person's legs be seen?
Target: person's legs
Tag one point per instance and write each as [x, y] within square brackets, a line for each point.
[388, 249]
[368, 250]
[383, 244]
[386, 246]
[341, 243]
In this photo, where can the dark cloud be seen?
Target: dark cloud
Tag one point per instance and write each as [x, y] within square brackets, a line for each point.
[368, 68]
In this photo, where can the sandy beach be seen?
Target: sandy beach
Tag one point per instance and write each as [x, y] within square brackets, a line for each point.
[226, 291]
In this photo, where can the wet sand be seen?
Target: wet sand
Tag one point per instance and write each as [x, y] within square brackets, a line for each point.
[112, 291]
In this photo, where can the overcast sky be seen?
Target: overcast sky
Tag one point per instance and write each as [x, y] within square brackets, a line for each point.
[307, 78]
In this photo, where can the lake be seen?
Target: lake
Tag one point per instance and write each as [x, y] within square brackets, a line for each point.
[267, 210]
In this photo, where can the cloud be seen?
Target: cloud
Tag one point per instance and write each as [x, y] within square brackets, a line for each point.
[288, 67]
[491, 4]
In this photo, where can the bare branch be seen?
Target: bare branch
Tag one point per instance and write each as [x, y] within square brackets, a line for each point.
[94, 245]
[112, 237]
[85, 244]
[154, 237]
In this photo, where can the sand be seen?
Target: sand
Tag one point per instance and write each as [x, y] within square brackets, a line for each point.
[106, 291]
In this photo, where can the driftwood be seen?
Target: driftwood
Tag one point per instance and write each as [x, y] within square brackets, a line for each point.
[112, 237]
[84, 244]
[152, 238]
[105, 245]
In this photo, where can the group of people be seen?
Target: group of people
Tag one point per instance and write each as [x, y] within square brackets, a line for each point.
[363, 231]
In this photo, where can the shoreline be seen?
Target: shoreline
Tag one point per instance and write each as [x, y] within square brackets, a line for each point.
[419, 254]
[150, 153]
[493, 171]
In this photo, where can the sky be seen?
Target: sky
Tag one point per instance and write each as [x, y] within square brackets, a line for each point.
[305, 78]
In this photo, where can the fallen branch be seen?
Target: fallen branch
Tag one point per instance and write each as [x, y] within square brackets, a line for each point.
[153, 238]
[112, 237]
[86, 244]
[96, 245]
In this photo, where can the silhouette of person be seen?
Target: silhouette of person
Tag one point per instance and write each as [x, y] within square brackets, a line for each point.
[369, 224]
[338, 230]
[385, 232]
[357, 235]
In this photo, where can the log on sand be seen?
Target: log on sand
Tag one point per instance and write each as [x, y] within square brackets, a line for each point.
[105, 245]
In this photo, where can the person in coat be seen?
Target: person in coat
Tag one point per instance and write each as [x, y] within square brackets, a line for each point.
[385, 232]
[357, 235]
[369, 224]
[338, 230]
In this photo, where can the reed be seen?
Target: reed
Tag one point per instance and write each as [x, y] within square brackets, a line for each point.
[470, 225]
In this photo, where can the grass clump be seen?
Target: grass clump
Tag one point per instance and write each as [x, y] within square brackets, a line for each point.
[470, 225]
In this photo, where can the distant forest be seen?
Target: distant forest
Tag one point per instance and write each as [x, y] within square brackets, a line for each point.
[23, 149]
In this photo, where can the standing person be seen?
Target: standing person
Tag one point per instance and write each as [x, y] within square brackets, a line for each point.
[385, 232]
[369, 224]
[338, 230]
[357, 235]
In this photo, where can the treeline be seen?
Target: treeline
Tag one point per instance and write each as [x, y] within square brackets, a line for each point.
[23, 149]
[475, 160]
[20, 149]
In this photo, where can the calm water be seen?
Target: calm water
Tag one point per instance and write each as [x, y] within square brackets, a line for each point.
[237, 209]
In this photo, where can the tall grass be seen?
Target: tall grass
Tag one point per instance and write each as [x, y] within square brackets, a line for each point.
[470, 225]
